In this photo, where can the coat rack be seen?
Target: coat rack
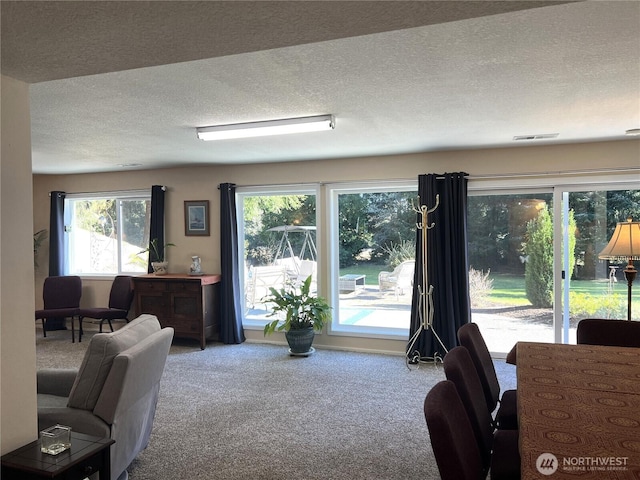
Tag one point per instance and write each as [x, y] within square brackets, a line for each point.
[425, 294]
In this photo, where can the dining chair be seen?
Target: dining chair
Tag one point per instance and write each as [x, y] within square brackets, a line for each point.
[61, 295]
[454, 446]
[616, 333]
[506, 416]
[498, 448]
[456, 452]
[120, 298]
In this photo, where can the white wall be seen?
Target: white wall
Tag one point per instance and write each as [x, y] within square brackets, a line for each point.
[18, 420]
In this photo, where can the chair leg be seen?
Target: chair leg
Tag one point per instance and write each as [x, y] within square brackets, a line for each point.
[108, 321]
[73, 331]
[44, 327]
[80, 332]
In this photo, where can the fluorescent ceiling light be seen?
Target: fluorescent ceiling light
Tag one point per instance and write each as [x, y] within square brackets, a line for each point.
[270, 127]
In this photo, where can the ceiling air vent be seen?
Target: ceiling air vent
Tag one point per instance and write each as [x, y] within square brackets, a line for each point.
[540, 136]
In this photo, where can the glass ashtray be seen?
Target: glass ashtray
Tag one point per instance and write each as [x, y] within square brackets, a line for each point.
[55, 440]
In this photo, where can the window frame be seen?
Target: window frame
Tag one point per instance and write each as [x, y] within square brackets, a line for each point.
[276, 190]
[118, 196]
[333, 192]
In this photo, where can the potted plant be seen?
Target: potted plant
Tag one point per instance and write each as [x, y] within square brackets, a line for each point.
[157, 256]
[38, 238]
[303, 314]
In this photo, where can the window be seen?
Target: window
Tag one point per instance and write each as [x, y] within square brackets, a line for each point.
[498, 226]
[373, 258]
[533, 256]
[278, 244]
[106, 231]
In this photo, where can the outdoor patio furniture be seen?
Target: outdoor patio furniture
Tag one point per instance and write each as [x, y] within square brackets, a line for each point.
[349, 282]
[307, 267]
[262, 278]
[399, 280]
[290, 264]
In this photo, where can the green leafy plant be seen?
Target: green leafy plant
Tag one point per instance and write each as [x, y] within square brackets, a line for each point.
[539, 267]
[301, 309]
[608, 305]
[156, 254]
[400, 252]
[539, 250]
[38, 238]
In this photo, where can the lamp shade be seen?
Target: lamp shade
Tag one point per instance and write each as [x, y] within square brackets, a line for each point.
[624, 243]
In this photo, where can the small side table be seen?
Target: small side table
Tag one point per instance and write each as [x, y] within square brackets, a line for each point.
[348, 283]
[86, 456]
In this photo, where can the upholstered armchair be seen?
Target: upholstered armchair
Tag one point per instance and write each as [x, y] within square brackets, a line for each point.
[114, 392]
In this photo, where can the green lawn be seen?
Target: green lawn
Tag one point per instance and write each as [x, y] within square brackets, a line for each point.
[507, 289]
[510, 290]
[371, 270]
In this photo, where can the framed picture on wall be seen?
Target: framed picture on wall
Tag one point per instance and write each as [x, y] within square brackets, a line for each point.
[196, 217]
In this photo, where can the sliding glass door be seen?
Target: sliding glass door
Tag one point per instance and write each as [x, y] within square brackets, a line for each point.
[590, 287]
[533, 278]
[511, 266]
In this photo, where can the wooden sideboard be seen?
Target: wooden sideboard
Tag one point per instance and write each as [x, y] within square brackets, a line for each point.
[189, 304]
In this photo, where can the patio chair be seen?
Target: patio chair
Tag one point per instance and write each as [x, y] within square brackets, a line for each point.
[399, 280]
[291, 264]
[261, 279]
[307, 267]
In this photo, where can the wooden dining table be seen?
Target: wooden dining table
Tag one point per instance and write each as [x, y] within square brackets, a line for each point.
[578, 411]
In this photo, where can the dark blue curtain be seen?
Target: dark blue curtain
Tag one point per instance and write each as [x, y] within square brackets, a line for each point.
[231, 330]
[56, 235]
[447, 263]
[156, 226]
[57, 264]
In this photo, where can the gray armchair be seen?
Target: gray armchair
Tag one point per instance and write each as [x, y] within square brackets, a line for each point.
[115, 391]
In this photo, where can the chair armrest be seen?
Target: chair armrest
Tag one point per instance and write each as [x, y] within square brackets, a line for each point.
[56, 381]
[81, 421]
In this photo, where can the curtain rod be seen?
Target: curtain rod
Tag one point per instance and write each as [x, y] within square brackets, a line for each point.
[329, 182]
[112, 192]
[490, 176]
[557, 174]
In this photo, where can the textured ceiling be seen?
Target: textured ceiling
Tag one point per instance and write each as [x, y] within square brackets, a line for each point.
[127, 82]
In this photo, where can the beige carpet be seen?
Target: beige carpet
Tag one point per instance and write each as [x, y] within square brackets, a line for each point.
[251, 411]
